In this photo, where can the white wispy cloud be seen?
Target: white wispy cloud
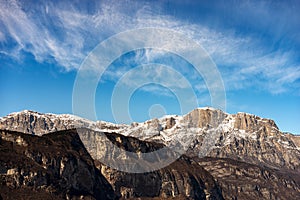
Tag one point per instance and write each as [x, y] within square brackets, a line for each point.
[155, 73]
[33, 37]
[241, 59]
[66, 34]
[2, 36]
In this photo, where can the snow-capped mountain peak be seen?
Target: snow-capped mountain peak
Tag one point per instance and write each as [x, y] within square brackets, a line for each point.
[202, 132]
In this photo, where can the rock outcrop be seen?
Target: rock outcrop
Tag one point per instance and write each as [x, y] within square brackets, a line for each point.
[202, 132]
[238, 156]
[57, 165]
[184, 178]
[240, 180]
[36, 123]
[54, 166]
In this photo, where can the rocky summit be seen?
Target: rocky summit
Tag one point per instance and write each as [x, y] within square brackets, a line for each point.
[219, 156]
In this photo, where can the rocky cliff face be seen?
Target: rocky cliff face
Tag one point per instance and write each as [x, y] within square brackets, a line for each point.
[202, 132]
[38, 124]
[184, 178]
[246, 157]
[240, 180]
[54, 166]
[57, 166]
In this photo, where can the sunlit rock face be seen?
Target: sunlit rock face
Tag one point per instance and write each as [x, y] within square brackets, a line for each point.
[182, 179]
[225, 155]
[202, 132]
[54, 166]
[58, 166]
[241, 180]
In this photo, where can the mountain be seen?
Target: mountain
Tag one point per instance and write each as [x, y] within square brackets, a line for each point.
[57, 166]
[231, 156]
[54, 166]
[241, 180]
[202, 132]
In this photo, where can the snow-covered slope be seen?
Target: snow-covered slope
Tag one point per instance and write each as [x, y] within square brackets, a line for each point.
[36, 123]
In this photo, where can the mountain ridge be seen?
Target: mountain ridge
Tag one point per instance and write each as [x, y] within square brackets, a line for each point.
[239, 156]
[75, 117]
[202, 132]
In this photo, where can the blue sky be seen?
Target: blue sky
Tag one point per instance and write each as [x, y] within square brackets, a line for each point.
[254, 44]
